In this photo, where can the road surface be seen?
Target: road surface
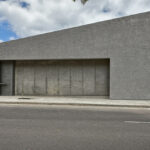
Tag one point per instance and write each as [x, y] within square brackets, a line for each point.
[29, 127]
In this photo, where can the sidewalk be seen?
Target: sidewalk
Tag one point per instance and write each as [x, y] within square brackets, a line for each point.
[80, 101]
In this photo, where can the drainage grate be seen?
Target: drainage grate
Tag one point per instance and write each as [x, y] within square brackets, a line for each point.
[27, 98]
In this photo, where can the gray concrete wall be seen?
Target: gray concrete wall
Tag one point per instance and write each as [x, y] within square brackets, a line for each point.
[62, 78]
[130, 58]
[125, 41]
[7, 77]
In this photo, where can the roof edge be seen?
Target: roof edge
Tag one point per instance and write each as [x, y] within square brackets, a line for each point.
[105, 21]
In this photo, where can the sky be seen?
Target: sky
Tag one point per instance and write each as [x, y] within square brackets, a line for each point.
[23, 18]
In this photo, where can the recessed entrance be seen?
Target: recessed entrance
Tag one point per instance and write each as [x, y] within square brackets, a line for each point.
[62, 78]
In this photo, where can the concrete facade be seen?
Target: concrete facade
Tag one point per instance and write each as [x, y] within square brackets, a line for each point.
[62, 78]
[125, 41]
[7, 78]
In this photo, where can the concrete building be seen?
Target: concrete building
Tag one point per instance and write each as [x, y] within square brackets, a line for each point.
[110, 58]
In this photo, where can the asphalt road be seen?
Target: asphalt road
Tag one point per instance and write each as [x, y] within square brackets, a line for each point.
[73, 128]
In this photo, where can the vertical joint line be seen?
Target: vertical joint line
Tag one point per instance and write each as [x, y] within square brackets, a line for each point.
[34, 78]
[70, 78]
[82, 77]
[46, 77]
[23, 79]
[58, 66]
[13, 78]
[95, 76]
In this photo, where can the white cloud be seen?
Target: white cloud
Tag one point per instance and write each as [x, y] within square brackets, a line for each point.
[48, 15]
[1, 41]
[12, 38]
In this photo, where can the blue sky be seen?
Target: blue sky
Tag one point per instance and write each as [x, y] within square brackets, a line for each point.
[22, 18]
[6, 32]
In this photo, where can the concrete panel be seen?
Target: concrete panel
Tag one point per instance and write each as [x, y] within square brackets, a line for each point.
[40, 84]
[129, 50]
[7, 77]
[64, 79]
[89, 78]
[102, 78]
[52, 78]
[76, 77]
[28, 78]
[19, 75]
[133, 77]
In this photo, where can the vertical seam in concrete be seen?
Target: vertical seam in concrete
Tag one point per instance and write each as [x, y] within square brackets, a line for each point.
[23, 80]
[46, 70]
[16, 79]
[13, 78]
[58, 67]
[82, 62]
[70, 75]
[109, 75]
[95, 75]
[34, 78]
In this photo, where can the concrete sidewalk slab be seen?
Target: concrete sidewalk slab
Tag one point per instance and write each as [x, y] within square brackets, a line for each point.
[81, 101]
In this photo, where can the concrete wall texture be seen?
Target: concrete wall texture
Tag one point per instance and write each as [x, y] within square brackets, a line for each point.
[6, 78]
[63, 78]
[125, 41]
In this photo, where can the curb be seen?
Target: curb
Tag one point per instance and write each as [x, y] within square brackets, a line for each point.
[75, 104]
